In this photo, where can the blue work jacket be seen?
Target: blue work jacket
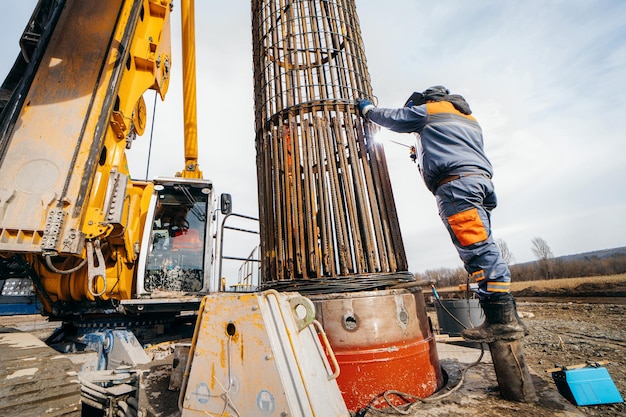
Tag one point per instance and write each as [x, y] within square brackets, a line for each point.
[448, 141]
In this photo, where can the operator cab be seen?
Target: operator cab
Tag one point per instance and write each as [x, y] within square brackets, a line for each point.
[179, 244]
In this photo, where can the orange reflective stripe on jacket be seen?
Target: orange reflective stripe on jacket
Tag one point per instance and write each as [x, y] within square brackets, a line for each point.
[478, 275]
[493, 286]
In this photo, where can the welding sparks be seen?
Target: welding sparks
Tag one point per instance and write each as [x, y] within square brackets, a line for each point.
[383, 136]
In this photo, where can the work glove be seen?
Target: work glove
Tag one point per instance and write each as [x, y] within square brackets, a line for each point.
[413, 154]
[364, 106]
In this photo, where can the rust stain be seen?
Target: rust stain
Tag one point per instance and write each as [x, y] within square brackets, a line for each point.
[222, 354]
[242, 349]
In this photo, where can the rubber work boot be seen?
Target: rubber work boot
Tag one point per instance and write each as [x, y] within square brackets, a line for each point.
[500, 321]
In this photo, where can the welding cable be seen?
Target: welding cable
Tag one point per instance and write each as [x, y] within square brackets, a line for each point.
[228, 400]
[438, 300]
[451, 315]
[417, 401]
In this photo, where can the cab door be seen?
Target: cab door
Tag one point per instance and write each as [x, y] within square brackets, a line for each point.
[177, 248]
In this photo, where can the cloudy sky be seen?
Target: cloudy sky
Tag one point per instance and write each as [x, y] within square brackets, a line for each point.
[545, 78]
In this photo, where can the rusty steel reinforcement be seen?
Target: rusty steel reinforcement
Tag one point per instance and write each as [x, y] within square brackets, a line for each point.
[325, 200]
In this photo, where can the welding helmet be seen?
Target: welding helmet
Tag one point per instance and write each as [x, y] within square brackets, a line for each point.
[416, 99]
[436, 93]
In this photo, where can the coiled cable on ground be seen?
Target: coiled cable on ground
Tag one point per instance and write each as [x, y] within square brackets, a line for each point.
[411, 408]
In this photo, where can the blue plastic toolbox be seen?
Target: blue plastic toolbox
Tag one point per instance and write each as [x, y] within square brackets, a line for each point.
[587, 386]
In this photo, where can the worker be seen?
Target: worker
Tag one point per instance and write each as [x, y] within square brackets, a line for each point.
[453, 164]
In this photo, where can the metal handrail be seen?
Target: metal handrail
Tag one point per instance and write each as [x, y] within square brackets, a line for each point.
[221, 246]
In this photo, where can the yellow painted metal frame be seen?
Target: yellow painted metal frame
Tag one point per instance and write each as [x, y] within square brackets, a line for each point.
[87, 107]
[146, 65]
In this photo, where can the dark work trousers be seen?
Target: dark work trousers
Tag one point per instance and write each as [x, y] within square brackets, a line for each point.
[465, 206]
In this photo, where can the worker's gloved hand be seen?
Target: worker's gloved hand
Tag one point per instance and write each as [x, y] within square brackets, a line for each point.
[364, 106]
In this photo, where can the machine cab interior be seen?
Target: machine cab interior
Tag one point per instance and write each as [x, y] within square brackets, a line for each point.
[179, 244]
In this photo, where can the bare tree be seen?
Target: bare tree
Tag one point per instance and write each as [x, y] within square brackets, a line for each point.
[544, 255]
[507, 255]
[444, 277]
[541, 249]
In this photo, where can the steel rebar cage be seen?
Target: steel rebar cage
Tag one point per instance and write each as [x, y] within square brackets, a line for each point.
[325, 201]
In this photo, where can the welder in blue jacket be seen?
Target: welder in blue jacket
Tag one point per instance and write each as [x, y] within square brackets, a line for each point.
[456, 170]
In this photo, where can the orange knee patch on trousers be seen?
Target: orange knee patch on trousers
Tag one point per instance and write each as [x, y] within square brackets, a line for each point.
[468, 227]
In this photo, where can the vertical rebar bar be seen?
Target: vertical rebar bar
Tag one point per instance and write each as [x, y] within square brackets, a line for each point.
[325, 201]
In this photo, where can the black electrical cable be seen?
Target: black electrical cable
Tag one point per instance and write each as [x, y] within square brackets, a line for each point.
[370, 411]
[151, 134]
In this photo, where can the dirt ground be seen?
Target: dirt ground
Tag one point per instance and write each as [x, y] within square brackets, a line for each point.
[572, 326]
[576, 330]
[564, 331]
[567, 328]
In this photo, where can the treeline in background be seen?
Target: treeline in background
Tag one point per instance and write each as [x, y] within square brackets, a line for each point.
[598, 263]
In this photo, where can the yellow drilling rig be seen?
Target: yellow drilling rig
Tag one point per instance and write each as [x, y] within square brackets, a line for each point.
[74, 224]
